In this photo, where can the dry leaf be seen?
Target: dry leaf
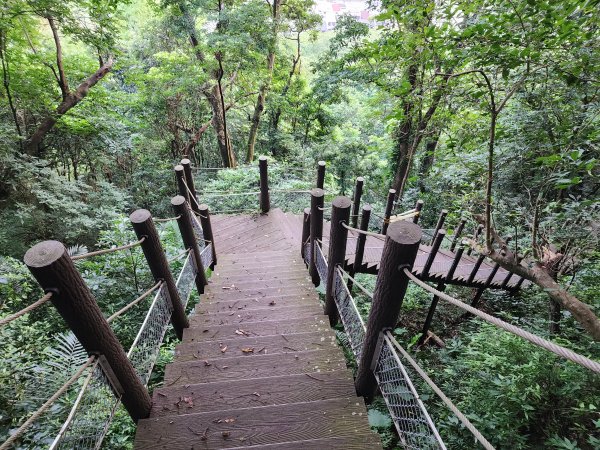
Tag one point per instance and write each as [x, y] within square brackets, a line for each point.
[248, 350]
[223, 349]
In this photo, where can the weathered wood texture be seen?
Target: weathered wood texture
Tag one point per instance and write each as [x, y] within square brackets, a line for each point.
[259, 366]
[53, 268]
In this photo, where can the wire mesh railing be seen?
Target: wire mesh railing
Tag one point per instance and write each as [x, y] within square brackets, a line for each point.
[354, 326]
[411, 419]
[321, 264]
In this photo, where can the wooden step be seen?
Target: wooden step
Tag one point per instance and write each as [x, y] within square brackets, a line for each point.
[269, 313]
[366, 442]
[231, 395]
[343, 418]
[257, 346]
[247, 304]
[240, 279]
[215, 293]
[252, 286]
[240, 367]
[259, 269]
[266, 328]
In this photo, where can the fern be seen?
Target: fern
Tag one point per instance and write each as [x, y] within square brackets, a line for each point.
[74, 250]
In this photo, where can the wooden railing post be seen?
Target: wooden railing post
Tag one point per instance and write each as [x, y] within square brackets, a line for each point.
[189, 178]
[316, 230]
[338, 236]
[182, 210]
[265, 201]
[360, 243]
[457, 234]
[320, 174]
[305, 231]
[399, 252]
[180, 177]
[440, 223]
[388, 210]
[435, 247]
[358, 189]
[53, 268]
[204, 215]
[440, 287]
[143, 226]
[418, 209]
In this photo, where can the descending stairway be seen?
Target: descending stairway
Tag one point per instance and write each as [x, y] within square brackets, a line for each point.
[259, 366]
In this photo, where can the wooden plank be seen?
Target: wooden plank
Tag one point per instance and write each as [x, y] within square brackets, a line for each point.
[240, 367]
[366, 442]
[269, 313]
[257, 346]
[267, 328]
[290, 275]
[251, 286]
[260, 269]
[344, 418]
[214, 294]
[256, 392]
[250, 303]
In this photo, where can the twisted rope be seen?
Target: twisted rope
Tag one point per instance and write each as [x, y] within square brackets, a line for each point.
[108, 250]
[356, 283]
[24, 311]
[381, 237]
[466, 422]
[36, 415]
[168, 219]
[534, 339]
[179, 256]
[135, 302]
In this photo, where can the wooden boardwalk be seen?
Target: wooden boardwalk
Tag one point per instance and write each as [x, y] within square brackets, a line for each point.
[439, 268]
[259, 366]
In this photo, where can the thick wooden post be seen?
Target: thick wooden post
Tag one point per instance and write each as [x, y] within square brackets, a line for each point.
[360, 242]
[358, 189]
[459, 231]
[180, 177]
[143, 226]
[316, 230]
[53, 268]
[207, 230]
[440, 287]
[399, 252]
[388, 210]
[338, 236]
[439, 237]
[320, 174]
[265, 201]
[440, 224]
[305, 231]
[189, 178]
[418, 209]
[181, 208]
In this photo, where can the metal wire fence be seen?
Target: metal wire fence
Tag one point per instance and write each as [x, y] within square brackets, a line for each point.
[321, 264]
[415, 428]
[206, 256]
[354, 325]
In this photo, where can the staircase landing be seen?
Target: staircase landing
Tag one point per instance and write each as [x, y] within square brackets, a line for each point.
[259, 366]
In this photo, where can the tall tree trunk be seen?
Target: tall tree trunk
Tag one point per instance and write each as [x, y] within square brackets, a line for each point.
[73, 98]
[295, 62]
[427, 161]
[262, 94]
[219, 124]
[6, 82]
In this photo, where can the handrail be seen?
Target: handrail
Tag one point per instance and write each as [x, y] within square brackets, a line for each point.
[25, 310]
[534, 339]
[108, 250]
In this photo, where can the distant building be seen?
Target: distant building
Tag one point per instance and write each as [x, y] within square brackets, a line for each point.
[331, 10]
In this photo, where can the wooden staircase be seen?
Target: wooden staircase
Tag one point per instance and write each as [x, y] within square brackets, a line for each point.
[259, 366]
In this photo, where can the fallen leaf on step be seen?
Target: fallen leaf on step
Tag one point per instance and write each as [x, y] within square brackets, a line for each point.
[223, 349]
[248, 350]
[272, 303]
[242, 333]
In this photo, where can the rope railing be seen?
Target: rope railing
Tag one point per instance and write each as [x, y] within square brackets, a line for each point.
[134, 302]
[464, 420]
[357, 284]
[178, 256]
[26, 310]
[367, 233]
[108, 250]
[166, 219]
[534, 339]
[40, 411]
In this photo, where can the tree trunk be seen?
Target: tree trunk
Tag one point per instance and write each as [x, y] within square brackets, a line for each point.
[73, 98]
[427, 161]
[262, 94]
[218, 122]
